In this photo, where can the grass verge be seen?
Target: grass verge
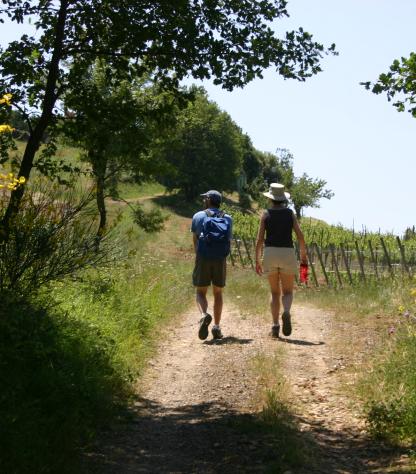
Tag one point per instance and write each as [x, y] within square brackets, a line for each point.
[380, 316]
[276, 423]
[68, 359]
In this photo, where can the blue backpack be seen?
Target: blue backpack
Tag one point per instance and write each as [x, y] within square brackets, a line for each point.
[214, 241]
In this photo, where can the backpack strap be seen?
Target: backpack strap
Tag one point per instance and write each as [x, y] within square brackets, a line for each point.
[210, 213]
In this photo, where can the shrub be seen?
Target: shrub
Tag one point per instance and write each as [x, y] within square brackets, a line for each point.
[58, 384]
[391, 409]
[52, 236]
[150, 221]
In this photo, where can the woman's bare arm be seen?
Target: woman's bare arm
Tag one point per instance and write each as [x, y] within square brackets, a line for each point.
[301, 240]
[260, 244]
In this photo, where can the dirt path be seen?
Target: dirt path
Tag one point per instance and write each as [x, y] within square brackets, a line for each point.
[316, 360]
[196, 395]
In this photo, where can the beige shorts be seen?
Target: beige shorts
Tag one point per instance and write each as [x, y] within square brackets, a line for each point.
[279, 259]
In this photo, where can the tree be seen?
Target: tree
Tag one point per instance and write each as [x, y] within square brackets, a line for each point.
[115, 122]
[304, 190]
[399, 84]
[204, 151]
[307, 192]
[229, 41]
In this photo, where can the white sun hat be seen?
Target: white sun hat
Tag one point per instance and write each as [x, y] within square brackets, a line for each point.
[277, 192]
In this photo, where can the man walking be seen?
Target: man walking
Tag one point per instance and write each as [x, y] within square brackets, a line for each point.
[212, 230]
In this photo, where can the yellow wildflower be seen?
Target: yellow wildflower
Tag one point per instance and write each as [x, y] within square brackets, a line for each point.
[6, 99]
[22, 180]
[401, 308]
[6, 129]
[413, 292]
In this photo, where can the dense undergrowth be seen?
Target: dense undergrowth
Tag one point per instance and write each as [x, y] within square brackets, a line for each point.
[68, 361]
[388, 388]
[70, 354]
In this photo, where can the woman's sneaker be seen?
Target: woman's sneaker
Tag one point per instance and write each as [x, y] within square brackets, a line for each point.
[287, 324]
[216, 333]
[275, 330]
[204, 322]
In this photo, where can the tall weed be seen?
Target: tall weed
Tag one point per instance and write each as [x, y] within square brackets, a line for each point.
[70, 358]
[390, 390]
[57, 382]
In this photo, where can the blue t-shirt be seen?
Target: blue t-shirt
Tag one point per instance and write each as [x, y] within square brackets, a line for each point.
[198, 219]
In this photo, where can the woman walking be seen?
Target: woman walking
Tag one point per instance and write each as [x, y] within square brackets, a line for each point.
[279, 260]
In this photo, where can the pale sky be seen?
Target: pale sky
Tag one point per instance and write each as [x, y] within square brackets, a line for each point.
[337, 130]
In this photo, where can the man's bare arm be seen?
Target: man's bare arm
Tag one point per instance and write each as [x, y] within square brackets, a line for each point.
[195, 240]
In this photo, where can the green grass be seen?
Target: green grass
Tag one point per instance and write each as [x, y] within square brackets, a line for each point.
[68, 362]
[276, 422]
[277, 419]
[376, 297]
[250, 291]
[389, 391]
[384, 311]
[69, 358]
[135, 191]
[58, 384]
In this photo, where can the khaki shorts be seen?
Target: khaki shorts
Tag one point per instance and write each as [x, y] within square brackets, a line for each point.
[207, 271]
[279, 259]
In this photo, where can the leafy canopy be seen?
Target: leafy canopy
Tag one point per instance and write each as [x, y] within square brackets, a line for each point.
[204, 151]
[399, 84]
[231, 41]
[304, 190]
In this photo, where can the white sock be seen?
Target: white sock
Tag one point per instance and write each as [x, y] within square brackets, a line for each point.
[216, 326]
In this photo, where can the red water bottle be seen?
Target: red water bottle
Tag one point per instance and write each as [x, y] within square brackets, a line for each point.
[303, 273]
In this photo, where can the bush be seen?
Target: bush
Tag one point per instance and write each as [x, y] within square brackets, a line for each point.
[244, 200]
[58, 383]
[391, 409]
[150, 221]
[52, 236]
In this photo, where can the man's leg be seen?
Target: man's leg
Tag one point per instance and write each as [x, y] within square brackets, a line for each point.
[218, 303]
[201, 299]
[202, 303]
[274, 283]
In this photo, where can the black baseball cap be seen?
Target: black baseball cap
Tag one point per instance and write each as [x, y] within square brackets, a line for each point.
[214, 196]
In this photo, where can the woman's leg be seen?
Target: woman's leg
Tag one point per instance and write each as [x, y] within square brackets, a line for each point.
[288, 281]
[274, 283]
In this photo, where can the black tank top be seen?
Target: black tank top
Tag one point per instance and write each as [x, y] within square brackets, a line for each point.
[279, 225]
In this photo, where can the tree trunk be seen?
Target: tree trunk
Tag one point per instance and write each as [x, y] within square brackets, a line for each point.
[99, 166]
[35, 137]
[298, 210]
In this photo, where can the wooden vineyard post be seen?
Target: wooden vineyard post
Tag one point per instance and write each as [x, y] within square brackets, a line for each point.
[231, 254]
[318, 252]
[237, 241]
[405, 268]
[334, 259]
[297, 250]
[312, 266]
[373, 258]
[248, 252]
[360, 260]
[347, 266]
[386, 254]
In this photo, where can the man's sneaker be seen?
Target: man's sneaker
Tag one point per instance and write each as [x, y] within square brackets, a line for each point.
[287, 325]
[203, 326]
[275, 330]
[216, 333]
